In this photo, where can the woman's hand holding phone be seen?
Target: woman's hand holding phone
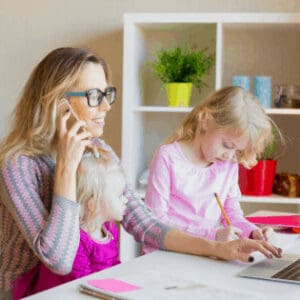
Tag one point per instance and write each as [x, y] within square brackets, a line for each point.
[64, 107]
[71, 144]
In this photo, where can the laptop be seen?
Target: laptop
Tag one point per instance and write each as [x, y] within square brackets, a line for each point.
[286, 269]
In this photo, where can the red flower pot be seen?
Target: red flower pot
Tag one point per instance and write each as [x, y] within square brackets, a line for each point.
[259, 180]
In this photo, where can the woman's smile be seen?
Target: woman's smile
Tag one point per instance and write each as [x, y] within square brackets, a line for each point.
[99, 121]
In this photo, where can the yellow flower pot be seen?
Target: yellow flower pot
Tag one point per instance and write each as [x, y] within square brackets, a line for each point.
[179, 94]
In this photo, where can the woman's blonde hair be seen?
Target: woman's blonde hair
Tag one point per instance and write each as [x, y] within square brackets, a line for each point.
[98, 181]
[34, 118]
[231, 107]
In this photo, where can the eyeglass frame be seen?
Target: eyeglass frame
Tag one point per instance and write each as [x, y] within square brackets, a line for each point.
[86, 94]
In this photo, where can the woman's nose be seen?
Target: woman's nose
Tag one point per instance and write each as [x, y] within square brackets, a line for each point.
[104, 105]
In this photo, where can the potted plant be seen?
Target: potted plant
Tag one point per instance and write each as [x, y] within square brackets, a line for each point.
[180, 68]
[259, 180]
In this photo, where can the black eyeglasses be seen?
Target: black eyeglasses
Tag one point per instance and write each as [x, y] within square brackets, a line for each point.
[95, 96]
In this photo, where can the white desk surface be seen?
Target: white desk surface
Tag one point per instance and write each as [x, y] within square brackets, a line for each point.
[159, 266]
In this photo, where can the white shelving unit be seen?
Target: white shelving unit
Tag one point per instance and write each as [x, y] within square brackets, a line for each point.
[243, 43]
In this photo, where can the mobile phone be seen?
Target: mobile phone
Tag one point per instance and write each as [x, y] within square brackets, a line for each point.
[64, 106]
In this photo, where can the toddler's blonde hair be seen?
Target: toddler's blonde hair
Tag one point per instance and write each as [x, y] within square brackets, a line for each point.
[235, 108]
[98, 181]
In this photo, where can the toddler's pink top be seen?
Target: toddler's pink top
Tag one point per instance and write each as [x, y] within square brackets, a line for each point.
[92, 256]
[182, 194]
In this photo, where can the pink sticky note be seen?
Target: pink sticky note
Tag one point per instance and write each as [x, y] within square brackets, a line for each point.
[113, 285]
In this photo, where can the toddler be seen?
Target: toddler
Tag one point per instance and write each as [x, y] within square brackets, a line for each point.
[100, 187]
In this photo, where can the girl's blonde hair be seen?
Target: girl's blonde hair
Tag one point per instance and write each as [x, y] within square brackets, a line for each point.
[231, 107]
[34, 118]
[99, 180]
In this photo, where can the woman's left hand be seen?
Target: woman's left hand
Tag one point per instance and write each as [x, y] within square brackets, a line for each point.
[241, 249]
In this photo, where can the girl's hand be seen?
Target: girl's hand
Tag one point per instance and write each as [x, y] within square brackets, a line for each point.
[229, 233]
[241, 249]
[257, 234]
[266, 233]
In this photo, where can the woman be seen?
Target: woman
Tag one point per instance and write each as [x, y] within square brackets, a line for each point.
[39, 158]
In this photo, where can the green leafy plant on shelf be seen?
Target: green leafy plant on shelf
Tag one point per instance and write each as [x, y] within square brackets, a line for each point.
[176, 64]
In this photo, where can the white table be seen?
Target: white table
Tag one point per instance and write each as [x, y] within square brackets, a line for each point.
[156, 268]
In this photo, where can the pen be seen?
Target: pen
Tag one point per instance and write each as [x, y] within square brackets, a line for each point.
[227, 220]
[186, 286]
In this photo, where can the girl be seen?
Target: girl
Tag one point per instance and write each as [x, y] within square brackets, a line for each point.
[39, 215]
[100, 187]
[200, 159]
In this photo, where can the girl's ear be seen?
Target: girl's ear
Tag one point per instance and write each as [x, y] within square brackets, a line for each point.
[90, 205]
[93, 208]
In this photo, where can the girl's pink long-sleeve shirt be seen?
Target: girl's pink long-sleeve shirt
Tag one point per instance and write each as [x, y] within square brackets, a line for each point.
[182, 194]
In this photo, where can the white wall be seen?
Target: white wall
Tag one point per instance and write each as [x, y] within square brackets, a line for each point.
[30, 29]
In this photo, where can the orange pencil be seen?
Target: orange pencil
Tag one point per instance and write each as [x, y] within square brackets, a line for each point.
[227, 220]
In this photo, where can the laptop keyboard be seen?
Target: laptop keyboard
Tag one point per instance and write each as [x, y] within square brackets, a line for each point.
[291, 272]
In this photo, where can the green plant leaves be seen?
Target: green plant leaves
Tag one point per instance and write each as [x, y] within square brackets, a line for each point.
[182, 65]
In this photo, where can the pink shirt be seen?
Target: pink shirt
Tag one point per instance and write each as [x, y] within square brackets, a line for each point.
[39, 227]
[182, 194]
[92, 256]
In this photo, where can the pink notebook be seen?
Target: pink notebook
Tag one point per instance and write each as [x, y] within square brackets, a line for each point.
[280, 220]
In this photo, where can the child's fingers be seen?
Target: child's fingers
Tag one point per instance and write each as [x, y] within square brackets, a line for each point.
[236, 233]
[267, 231]
[228, 233]
[264, 234]
[257, 234]
[95, 151]
[233, 237]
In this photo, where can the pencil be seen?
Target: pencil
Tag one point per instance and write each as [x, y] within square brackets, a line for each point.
[227, 220]
[186, 286]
